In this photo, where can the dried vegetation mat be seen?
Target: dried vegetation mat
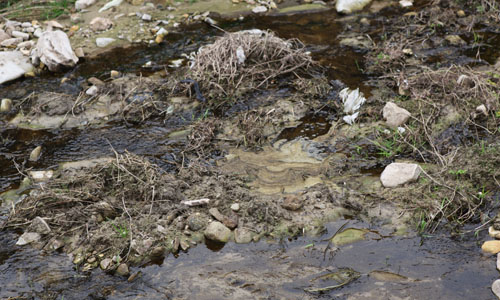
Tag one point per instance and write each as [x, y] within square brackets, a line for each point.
[247, 60]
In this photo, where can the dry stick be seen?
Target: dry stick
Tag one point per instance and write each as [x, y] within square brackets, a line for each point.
[328, 246]
[130, 227]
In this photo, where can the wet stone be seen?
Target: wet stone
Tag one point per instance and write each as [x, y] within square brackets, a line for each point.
[242, 236]
[122, 270]
[158, 252]
[216, 231]
[292, 202]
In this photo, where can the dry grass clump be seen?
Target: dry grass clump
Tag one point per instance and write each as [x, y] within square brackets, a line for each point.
[221, 68]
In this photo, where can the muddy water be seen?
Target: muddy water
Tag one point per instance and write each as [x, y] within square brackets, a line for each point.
[415, 268]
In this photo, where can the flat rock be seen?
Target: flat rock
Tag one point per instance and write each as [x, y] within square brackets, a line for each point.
[492, 247]
[83, 4]
[394, 115]
[495, 287]
[259, 9]
[54, 50]
[20, 34]
[231, 222]
[242, 236]
[100, 24]
[103, 42]
[399, 173]
[216, 231]
[350, 6]
[27, 238]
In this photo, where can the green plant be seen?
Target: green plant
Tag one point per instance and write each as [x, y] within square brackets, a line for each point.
[458, 173]
[121, 230]
[482, 193]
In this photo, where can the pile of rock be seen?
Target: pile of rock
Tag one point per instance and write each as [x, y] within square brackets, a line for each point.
[493, 247]
[17, 35]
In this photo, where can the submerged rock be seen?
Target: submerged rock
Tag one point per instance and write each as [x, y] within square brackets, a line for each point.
[399, 173]
[13, 64]
[103, 42]
[395, 116]
[122, 270]
[54, 50]
[349, 6]
[216, 231]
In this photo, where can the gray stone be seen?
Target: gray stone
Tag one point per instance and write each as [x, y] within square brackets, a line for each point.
[242, 236]
[26, 25]
[79, 52]
[100, 24]
[259, 9]
[54, 50]
[92, 91]
[26, 44]
[5, 105]
[35, 153]
[146, 17]
[38, 32]
[196, 222]
[455, 40]
[399, 173]
[395, 116]
[495, 287]
[357, 42]
[122, 270]
[349, 6]
[19, 34]
[292, 202]
[216, 231]
[27, 238]
[11, 42]
[103, 42]
[40, 226]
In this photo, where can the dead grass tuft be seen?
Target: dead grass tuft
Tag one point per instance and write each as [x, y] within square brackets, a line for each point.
[221, 69]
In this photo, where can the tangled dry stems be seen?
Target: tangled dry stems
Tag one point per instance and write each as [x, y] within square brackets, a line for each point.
[217, 66]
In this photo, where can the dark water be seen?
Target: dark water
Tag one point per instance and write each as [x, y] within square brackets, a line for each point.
[438, 268]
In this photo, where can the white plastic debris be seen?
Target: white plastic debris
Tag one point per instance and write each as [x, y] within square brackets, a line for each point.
[110, 4]
[352, 100]
[401, 129]
[196, 202]
[240, 54]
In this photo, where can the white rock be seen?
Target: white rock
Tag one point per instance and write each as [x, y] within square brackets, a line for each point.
[26, 25]
[349, 6]
[235, 207]
[495, 287]
[40, 176]
[482, 109]
[395, 116]
[110, 4]
[27, 44]
[399, 173]
[146, 17]
[11, 42]
[54, 50]
[240, 54]
[13, 64]
[162, 31]
[259, 9]
[19, 34]
[406, 3]
[100, 24]
[38, 32]
[103, 42]
[83, 4]
[29, 29]
[36, 153]
[28, 237]
[92, 91]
